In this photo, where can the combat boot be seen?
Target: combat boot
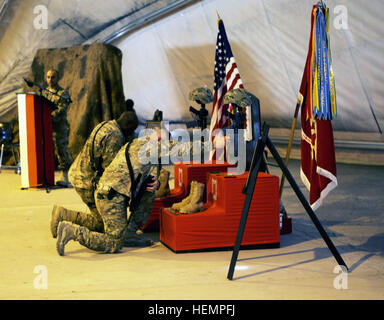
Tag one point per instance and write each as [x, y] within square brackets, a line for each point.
[66, 232]
[91, 221]
[59, 214]
[163, 191]
[196, 203]
[62, 180]
[185, 201]
[137, 240]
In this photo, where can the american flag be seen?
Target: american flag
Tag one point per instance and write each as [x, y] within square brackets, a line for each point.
[227, 77]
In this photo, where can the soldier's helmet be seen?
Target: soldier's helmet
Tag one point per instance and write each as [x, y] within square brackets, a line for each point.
[240, 97]
[202, 95]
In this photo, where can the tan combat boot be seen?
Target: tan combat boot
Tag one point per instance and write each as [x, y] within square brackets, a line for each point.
[66, 232]
[137, 240]
[59, 214]
[185, 201]
[196, 203]
[163, 191]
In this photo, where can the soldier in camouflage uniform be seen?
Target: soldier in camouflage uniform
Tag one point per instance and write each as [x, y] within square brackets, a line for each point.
[101, 147]
[61, 100]
[113, 196]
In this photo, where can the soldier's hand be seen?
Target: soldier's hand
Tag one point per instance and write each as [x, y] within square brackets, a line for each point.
[152, 187]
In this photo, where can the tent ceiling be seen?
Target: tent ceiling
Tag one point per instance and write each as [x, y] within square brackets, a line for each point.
[269, 40]
[70, 23]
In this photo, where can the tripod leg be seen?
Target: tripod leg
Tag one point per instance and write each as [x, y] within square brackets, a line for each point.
[1, 156]
[250, 187]
[305, 203]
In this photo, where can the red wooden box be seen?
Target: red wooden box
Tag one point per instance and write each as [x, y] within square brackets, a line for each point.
[217, 226]
[184, 173]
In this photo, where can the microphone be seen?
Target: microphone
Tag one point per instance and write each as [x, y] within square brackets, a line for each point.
[31, 84]
[28, 82]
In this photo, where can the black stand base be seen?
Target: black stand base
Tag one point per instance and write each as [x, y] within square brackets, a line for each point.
[47, 187]
[248, 191]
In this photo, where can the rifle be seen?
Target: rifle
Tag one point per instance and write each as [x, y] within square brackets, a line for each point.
[201, 122]
[238, 118]
[138, 195]
[238, 122]
[137, 189]
[202, 115]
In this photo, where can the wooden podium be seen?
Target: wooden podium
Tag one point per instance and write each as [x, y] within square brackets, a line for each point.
[36, 143]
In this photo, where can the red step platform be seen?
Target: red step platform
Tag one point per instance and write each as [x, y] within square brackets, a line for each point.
[217, 226]
[184, 174]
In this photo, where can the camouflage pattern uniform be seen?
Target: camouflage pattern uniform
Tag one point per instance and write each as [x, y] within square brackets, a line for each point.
[112, 201]
[201, 95]
[60, 126]
[99, 150]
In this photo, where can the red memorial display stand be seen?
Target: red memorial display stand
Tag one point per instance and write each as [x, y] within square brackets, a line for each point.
[184, 174]
[217, 226]
[36, 144]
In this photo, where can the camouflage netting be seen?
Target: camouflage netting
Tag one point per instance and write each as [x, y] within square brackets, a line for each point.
[92, 76]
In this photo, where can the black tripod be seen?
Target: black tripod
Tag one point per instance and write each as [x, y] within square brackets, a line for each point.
[248, 191]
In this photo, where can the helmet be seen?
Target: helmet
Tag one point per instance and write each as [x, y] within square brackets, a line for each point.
[240, 97]
[202, 95]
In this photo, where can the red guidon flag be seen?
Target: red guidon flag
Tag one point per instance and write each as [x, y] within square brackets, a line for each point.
[318, 163]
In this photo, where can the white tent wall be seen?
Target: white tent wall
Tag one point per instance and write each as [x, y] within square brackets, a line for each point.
[163, 61]
[70, 23]
[166, 58]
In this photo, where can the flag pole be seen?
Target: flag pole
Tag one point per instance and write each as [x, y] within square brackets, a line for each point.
[218, 16]
[298, 104]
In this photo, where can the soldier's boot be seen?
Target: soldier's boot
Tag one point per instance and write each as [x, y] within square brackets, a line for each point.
[185, 201]
[196, 203]
[67, 231]
[164, 190]
[59, 214]
[62, 180]
[81, 218]
[137, 240]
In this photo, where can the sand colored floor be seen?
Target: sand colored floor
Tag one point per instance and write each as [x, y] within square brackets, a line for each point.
[302, 268]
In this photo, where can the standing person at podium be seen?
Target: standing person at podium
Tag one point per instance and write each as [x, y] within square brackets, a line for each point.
[61, 100]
